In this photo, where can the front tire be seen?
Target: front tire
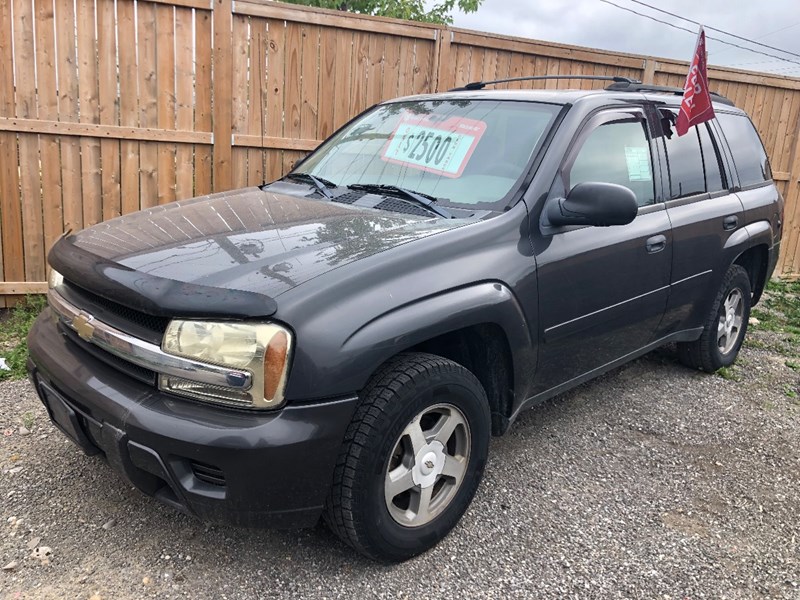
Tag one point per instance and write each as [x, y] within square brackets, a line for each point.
[412, 458]
[725, 326]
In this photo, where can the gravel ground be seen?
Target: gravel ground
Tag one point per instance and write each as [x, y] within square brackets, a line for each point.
[651, 482]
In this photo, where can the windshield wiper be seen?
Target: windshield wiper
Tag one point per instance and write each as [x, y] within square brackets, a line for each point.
[425, 200]
[321, 184]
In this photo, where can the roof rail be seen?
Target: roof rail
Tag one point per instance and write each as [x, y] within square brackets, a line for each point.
[622, 86]
[479, 85]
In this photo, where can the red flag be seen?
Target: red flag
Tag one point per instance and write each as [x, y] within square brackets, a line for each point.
[696, 106]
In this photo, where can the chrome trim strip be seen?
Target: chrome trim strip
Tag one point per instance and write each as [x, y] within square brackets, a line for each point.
[685, 279]
[141, 353]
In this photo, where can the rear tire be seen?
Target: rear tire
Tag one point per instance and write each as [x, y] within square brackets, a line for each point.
[412, 458]
[725, 326]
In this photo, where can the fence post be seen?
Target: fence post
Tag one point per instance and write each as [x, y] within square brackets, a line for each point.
[789, 260]
[650, 67]
[222, 89]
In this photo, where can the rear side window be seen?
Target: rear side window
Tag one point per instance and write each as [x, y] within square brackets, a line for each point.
[711, 160]
[748, 152]
[685, 164]
[616, 152]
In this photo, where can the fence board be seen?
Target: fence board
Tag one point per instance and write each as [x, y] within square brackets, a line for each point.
[309, 81]
[257, 98]
[276, 79]
[148, 110]
[358, 98]
[47, 101]
[128, 106]
[184, 101]
[165, 85]
[89, 113]
[222, 58]
[291, 127]
[327, 81]
[375, 49]
[240, 57]
[11, 251]
[136, 102]
[342, 106]
[107, 85]
[202, 108]
[30, 180]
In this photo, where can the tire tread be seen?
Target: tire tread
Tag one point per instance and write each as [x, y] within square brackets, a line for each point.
[339, 513]
[700, 353]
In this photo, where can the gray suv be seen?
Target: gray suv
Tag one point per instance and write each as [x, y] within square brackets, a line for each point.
[342, 342]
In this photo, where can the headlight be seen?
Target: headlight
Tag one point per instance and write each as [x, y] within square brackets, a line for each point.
[56, 279]
[262, 349]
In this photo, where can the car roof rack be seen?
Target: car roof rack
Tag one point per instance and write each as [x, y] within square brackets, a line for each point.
[479, 85]
[622, 86]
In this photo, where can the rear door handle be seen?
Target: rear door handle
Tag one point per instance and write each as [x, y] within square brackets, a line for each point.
[656, 243]
[730, 222]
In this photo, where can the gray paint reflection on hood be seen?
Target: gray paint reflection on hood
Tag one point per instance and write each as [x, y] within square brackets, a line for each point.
[251, 239]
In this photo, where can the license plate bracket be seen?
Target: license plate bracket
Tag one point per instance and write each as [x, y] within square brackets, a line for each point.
[65, 418]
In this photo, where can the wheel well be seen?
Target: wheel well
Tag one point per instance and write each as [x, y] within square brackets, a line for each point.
[754, 261]
[484, 350]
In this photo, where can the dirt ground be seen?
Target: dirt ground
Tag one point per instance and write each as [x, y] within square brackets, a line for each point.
[652, 482]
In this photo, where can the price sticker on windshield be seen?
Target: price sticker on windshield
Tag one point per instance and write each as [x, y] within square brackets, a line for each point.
[439, 147]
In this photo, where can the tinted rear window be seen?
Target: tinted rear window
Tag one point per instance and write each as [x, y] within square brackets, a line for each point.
[685, 163]
[748, 152]
[711, 162]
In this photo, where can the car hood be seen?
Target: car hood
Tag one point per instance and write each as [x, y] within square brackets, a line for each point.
[249, 240]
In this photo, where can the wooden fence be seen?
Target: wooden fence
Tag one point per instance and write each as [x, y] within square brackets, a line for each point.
[109, 106]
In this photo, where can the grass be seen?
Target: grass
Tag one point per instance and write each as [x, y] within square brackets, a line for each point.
[779, 312]
[28, 419]
[781, 307]
[14, 327]
[728, 373]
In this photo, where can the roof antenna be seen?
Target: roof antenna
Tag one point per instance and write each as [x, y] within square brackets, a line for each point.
[261, 67]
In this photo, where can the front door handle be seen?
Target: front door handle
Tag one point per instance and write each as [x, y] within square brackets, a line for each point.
[656, 243]
[730, 222]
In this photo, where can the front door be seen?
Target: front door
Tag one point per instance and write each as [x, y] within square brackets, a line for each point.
[603, 290]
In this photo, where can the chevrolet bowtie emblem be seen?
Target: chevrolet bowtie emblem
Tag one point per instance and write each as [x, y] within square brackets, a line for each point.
[82, 325]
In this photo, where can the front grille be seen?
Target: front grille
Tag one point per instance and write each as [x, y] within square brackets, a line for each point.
[135, 371]
[147, 327]
[208, 473]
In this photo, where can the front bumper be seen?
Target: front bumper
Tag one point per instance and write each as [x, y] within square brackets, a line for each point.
[222, 465]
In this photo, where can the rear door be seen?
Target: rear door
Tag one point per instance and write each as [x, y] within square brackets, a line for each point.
[603, 290]
[704, 212]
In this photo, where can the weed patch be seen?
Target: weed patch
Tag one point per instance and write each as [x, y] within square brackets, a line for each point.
[14, 328]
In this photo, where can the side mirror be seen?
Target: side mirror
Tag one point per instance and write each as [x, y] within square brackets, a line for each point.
[594, 203]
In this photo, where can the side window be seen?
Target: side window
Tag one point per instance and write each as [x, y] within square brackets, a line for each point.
[616, 152]
[711, 161]
[748, 152]
[685, 164]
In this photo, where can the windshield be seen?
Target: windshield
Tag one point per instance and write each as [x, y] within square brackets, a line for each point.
[462, 152]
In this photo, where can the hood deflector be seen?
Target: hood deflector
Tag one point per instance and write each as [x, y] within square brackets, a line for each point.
[152, 294]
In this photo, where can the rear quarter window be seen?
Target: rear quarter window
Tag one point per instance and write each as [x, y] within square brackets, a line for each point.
[748, 152]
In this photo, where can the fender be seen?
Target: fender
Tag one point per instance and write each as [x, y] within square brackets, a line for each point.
[748, 236]
[741, 240]
[405, 326]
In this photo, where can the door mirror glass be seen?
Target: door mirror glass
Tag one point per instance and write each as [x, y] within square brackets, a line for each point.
[594, 203]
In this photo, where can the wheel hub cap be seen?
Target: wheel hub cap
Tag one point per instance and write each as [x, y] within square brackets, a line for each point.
[428, 464]
[730, 321]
